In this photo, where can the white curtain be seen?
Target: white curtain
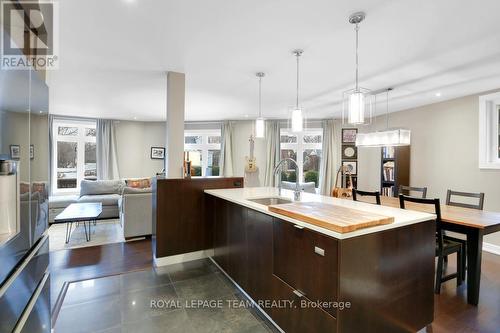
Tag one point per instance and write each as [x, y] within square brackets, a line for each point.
[272, 150]
[332, 131]
[51, 152]
[226, 159]
[107, 161]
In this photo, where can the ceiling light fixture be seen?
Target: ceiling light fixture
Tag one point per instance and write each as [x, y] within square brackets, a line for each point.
[438, 94]
[389, 137]
[297, 116]
[356, 102]
[259, 122]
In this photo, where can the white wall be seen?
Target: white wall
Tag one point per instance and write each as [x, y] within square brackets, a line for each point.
[241, 149]
[134, 141]
[444, 152]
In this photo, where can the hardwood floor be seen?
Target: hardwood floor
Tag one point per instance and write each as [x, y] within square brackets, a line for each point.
[452, 313]
[93, 262]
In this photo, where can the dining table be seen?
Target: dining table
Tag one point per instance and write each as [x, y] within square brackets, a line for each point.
[472, 223]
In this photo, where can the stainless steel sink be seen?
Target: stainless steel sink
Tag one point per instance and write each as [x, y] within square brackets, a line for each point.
[271, 201]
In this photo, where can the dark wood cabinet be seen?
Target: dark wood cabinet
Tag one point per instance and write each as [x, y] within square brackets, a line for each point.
[221, 249]
[386, 277]
[259, 248]
[183, 216]
[237, 244]
[297, 314]
[307, 261]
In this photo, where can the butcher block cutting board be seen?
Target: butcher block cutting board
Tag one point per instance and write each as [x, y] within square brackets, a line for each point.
[332, 217]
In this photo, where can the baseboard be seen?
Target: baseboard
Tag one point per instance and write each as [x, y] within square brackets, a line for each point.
[163, 261]
[491, 248]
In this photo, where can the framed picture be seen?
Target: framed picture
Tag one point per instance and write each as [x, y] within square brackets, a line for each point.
[352, 166]
[32, 152]
[354, 182]
[15, 152]
[349, 152]
[157, 153]
[349, 135]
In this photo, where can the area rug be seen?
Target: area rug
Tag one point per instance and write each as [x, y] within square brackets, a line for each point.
[104, 232]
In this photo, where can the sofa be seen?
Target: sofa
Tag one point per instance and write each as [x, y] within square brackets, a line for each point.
[130, 200]
[136, 212]
[107, 192]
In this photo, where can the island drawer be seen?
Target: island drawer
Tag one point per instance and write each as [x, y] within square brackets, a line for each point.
[294, 312]
[306, 260]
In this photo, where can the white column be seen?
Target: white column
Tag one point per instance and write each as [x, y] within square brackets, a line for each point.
[175, 124]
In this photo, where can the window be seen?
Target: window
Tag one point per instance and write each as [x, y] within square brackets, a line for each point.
[306, 149]
[74, 153]
[489, 131]
[203, 148]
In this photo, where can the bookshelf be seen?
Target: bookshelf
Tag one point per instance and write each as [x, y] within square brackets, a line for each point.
[395, 169]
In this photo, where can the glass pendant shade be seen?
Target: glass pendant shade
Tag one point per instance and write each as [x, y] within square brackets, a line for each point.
[259, 122]
[357, 106]
[259, 127]
[297, 120]
[396, 137]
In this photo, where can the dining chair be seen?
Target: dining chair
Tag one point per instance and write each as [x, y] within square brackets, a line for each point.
[444, 247]
[479, 205]
[406, 190]
[479, 196]
[356, 193]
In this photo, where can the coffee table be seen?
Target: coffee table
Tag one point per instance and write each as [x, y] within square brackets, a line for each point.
[86, 213]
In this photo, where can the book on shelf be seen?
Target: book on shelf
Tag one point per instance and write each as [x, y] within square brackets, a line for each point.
[388, 191]
[388, 152]
[388, 171]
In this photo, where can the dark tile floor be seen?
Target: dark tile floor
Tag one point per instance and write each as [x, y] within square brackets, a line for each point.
[122, 303]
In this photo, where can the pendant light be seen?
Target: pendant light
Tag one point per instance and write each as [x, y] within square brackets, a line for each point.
[357, 102]
[388, 137]
[259, 122]
[297, 116]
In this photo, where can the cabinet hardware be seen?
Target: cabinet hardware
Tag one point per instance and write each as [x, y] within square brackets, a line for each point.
[319, 251]
[298, 226]
[299, 293]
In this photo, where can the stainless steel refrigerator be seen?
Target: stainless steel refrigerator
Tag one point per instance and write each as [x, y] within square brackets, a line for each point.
[24, 175]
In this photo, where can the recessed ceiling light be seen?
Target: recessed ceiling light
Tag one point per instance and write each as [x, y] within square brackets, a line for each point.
[438, 94]
[135, 118]
[246, 116]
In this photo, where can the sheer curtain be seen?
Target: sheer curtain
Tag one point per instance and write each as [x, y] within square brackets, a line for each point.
[272, 150]
[331, 154]
[107, 161]
[226, 158]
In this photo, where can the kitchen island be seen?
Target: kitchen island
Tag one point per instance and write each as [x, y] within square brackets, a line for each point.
[310, 279]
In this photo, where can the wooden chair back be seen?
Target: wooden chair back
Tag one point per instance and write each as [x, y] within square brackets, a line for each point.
[479, 196]
[406, 190]
[375, 194]
[437, 211]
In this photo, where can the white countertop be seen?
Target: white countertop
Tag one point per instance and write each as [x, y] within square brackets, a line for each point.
[241, 195]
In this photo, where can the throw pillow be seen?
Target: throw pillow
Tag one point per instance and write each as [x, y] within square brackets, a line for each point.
[139, 183]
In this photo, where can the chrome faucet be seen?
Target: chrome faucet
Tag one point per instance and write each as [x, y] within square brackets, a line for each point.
[296, 192]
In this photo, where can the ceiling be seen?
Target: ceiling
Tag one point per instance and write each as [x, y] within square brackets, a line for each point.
[114, 55]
